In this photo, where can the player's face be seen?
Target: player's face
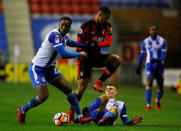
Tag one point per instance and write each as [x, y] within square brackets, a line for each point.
[64, 26]
[103, 18]
[111, 91]
[153, 30]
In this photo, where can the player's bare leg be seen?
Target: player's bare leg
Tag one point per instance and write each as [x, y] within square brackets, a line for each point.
[63, 85]
[148, 93]
[42, 96]
[112, 63]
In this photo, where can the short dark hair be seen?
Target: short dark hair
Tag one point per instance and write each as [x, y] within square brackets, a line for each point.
[154, 24]
[66, 18]
[105, 9]
[113, 84]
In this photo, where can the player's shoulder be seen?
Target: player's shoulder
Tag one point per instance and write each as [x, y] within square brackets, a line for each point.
[146, 40]
[161, 38]
[87, 23]
[55, 33]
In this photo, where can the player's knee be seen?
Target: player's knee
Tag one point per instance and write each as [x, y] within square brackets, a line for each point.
[104, 97]
[115, 60]
[67, 91]
[118, 59]
[148, 87]
[114, 109]
[43, 97]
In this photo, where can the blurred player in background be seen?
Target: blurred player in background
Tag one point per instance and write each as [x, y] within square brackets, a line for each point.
[43, 70]
[105, 109]
[95, 33]
[155, 47]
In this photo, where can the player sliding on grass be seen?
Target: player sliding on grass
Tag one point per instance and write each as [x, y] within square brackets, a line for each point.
[155, 47]
[42, 69]
[96, 33]
[105, 109]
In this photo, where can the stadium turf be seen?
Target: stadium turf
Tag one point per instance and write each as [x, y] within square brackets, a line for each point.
[41, 118]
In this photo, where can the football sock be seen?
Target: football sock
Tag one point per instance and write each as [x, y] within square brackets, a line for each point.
[95, 104]
[78, 97]
[32, 103]
[76, 120]
[74, 104]
[159, 95]
[107, 72]
[148, 94]
[105, 75]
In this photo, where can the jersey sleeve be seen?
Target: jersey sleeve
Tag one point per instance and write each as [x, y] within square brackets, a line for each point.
[73, 43]
[108, 37]
[163, 50]
[124, 117]
[56, 39]
[58, 44]
[142, 54]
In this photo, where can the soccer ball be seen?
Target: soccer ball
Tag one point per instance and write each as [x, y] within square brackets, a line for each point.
[60, 119]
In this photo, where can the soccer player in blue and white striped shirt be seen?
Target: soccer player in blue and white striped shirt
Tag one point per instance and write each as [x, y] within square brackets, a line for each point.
[155, 47]
[42, 69]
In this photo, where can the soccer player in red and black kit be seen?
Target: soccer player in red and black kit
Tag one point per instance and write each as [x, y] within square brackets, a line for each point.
[95, 34]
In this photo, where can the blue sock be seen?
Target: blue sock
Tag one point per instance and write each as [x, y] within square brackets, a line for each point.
[148, 94]
[111, 114]
[74, 103]
[76, 120]
[159, 95]
[32, 103]
[95, 104]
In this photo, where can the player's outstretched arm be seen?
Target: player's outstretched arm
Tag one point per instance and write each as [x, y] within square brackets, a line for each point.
[73, 43]
[65, 54]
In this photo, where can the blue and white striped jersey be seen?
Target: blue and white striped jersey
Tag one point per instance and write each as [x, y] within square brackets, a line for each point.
[47, 54]
[121, 110]
[154, 48]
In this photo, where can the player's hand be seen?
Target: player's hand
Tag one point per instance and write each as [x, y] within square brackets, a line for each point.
[138, 71]
[137, 119]
[153, 61]
[85, 111]
[83, 53]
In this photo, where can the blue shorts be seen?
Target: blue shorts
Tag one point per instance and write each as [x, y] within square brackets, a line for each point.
[41, 75]
[154, 70]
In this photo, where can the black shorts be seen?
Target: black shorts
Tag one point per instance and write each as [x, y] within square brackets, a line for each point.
[84, 66]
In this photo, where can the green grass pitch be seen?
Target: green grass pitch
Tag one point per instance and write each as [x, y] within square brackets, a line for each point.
[41, 118]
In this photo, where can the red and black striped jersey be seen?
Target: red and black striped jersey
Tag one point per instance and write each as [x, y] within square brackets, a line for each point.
[101, 33]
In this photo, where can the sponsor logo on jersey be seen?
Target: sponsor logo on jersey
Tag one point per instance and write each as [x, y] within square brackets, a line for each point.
[43, 79]
[81, 74]
[57, 40]
[80, 31]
